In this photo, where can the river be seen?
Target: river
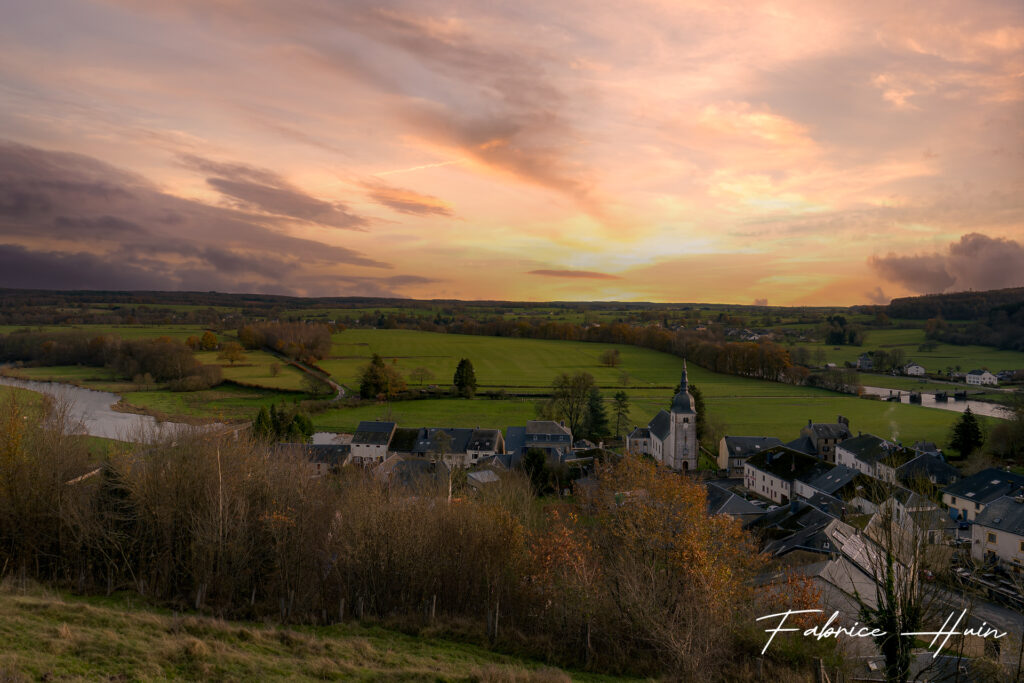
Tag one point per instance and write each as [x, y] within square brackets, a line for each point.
[959, 406]
[93, 411]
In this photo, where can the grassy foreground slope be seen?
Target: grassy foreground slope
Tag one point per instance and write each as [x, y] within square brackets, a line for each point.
[46, 636]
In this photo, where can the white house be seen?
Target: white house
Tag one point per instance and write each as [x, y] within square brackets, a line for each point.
[998, 532]
[913, 369]
[780, 474]
[971, 496]
[980, 377]
[370, 442]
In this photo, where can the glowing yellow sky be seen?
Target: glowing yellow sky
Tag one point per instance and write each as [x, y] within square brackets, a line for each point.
[799, 152]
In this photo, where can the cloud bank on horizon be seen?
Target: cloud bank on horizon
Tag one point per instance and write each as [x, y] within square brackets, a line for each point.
[739, 151]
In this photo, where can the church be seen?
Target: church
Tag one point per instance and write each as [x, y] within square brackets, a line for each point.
[671, 437]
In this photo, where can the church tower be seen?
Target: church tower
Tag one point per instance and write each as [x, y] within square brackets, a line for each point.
[684, 429]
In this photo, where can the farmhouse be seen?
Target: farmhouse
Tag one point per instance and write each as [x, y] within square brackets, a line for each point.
[733, 451]
[865, 362]
[552, 437]
[775, 472]
[913, 369]
[979, 377]
[671, 437]
[998, 532]
[826, 435]
[970, 496]
[370, 442]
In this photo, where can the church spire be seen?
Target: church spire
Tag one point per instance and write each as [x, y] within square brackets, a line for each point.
[684, 384]
[683, 402]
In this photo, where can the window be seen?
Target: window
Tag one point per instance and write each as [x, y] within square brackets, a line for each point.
[1022, 546]
[952, 500]
[991, 537]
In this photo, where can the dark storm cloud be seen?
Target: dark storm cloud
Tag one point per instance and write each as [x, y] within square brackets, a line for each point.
[977, 261]
[67, 220]
[264, 190]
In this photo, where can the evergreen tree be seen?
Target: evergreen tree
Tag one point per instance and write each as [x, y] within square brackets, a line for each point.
[465, 378]
[597, 418]
[535, 463]
[698, 407]
[262, 428]
[967, 436]
[621, 412]
[380, 378]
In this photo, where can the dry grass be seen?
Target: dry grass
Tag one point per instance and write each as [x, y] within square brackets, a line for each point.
[48, 636]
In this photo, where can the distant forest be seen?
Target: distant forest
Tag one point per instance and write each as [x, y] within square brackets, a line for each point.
[993, 318]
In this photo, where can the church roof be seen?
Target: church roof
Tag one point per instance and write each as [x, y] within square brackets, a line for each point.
[661, 425]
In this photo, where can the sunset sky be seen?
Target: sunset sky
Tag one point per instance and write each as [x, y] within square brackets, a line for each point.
[788, 152]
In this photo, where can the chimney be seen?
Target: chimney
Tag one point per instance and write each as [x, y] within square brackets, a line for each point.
[809, 422]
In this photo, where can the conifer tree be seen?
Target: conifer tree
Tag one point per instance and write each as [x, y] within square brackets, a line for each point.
[465, 378]
[967, 436]
[597, 419]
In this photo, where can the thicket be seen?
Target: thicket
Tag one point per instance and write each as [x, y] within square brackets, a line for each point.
[635, 577]
[162, 358]
[299, 341]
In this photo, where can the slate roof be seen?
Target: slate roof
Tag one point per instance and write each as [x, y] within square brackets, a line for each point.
[373, 433]
[834, 479]
[977, 372]
[482, 477]
[787, 519]
[829, 430]
[870, 449]
[721, 501]
[743, 446]
[661, 425]
[826, 503]
[788, 464]
[484, 440]
[986, 486]
[640, 433]
[931, 466]
[822, 537]
[404, 440]
[427, 440]
[546, 427]
[1004, 514]
[328, 454]
[803, 444]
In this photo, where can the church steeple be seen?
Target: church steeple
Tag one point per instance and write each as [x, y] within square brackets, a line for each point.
[683, 401]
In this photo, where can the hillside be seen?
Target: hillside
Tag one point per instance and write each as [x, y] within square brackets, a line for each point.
[48, 636]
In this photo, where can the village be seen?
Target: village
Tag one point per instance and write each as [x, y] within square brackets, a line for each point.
[827, 505]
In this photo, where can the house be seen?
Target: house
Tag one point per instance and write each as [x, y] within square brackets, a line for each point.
[979, 377]
[554, 438]
[913, 369]
[449, 445]
[826, 435]
[865, 362]
[875, 457]
[484, 443]
[998, 532]
[721, 501]
[322, 458]
[370, 442]
[927, 466]
[906, 520]
[733, 451]
[671, 436]
[968, 497]
[775, 472]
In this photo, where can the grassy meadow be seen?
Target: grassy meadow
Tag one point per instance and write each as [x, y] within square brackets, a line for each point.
[49, 636]
[936, 360]
[744, 406]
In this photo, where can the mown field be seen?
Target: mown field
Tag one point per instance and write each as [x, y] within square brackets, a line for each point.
[744, 406]
[940, 358]
[49, 636]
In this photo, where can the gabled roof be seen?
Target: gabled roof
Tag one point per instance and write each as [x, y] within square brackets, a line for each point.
[721, 501]
[327, 454]
[373, 433]
[1003, 514]
[986, 486]
[661, 425]
[834, 479]
[788, 464]
[869, 448]
[743, 446]
[803, 444]
[484, 440]
[829, 430]
[931, 466]
[640, 433]
[977, 372]
[404, 440]
[428, 440]
[546, 428]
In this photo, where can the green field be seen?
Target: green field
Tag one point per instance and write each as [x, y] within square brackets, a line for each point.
[123, 331]
[49, 636]
[224, 402]
[938, 360]
[255, 370]
[745, 406]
